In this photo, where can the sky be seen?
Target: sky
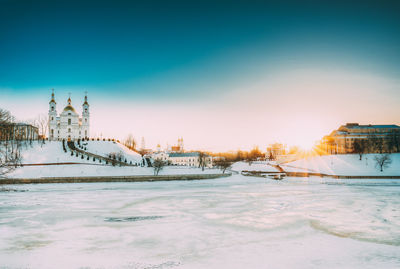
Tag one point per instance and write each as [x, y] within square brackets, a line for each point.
[224, 75]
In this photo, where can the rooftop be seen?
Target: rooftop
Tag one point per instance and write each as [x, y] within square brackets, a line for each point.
[370, 126]
[186, 154]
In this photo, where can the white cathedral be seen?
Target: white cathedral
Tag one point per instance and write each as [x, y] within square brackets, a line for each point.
[68, 125]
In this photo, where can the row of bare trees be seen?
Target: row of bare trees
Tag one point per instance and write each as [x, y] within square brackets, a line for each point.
[10, 149]
[378, 144]
[130, 142]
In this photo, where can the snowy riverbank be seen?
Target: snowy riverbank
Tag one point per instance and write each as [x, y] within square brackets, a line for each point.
[90, 170]
[37, 157]
[345, 165]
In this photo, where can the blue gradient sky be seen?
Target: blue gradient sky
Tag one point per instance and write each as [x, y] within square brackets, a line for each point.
[188, 66]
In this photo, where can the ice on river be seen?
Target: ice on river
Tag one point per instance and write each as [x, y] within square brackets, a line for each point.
[235, 222]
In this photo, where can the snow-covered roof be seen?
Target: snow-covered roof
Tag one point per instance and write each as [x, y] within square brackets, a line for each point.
[186, 154]
[393, 126]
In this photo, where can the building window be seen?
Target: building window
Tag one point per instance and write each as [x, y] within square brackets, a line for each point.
[52, 108]
[85, 109]
[69, 121]
[69, 114]
[85, 120]
[52, 132]
[52, 118]
[85, 133]
[69, 130]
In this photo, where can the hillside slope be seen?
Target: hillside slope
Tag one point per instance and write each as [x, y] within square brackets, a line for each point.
[104, 148]
[50, 152]
[346, 164]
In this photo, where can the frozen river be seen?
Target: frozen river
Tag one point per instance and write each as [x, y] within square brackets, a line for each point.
[235, 222]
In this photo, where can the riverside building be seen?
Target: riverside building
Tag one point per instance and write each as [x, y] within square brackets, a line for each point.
[341, 141]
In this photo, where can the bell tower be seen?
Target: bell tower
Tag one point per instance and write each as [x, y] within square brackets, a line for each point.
[52, 117]
[85, 117]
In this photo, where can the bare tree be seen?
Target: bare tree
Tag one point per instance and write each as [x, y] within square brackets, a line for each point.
[202, 160]
[222, 164]
[10, 154]
[42, 123]
[158, 165]
[359, 147]
[5, 117]
[254, 154]
[130, 142]
[383, 161]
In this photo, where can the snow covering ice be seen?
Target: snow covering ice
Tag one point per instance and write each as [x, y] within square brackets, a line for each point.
[234, 222]
[345, 164]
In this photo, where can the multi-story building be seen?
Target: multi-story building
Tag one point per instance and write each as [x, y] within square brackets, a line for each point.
[175, 155]
[18, 131]
[342, 140]
[189, 159]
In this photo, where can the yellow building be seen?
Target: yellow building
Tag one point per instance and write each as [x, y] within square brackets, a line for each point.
[342, 140]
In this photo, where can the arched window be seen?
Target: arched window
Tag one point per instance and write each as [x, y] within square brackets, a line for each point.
[69, 130]
[52, 132]
[52, 108]
[52, 118]
[85, 120]
[69, 121]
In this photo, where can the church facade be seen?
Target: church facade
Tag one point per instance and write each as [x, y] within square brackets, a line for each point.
[68, 125]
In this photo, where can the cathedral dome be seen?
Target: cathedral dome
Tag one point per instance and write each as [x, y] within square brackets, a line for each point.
[69, 108]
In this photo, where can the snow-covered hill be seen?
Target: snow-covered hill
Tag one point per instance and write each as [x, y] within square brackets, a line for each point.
[50, 152]
[346, 165]
[104, 148]
[39, 161]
